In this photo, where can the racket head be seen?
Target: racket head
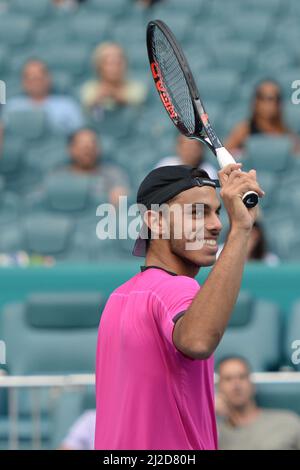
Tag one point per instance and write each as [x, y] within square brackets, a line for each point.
[173, 79]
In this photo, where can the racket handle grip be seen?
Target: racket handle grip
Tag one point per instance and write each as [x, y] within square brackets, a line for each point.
[224, 157]
[250, 198]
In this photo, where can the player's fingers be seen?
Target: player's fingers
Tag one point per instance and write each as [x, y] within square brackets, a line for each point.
[252, 174]
[225, 172]
[249, 185]
[235, 175]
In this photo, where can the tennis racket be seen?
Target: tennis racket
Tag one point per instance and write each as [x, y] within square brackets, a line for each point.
[178, 92]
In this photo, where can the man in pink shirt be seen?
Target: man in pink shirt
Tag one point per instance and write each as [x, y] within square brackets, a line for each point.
[158, 331]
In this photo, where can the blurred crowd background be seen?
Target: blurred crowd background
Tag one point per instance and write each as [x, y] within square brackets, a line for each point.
[82, 125]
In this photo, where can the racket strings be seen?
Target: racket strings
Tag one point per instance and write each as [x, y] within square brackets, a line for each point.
[174, 80]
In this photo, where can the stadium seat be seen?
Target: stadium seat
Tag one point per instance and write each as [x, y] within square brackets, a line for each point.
[278, 57]
[48, 154]
[282, 230]
[207, 33]
[65, 193]
[292, 113]
[3, 60]
[279, 396]
[292, 341]
[9, 205]
[252, 27]
[218, 85]
[62, 83]
[266, 7]
[10, 238]
[54, 31]
[253, 333]
[269, 153]
[94, 245]
[29, 125]
[270, 182]
[233, 55]
[115, 8]
[237, 112]
[199, 62]
[38, 9]
[288, 190]
[45, 334]
[47, 235]
[12, 153]
[90, 29]
[15, 30]
[191, 7]
[129, 32]
[117, 123]
[71, 57]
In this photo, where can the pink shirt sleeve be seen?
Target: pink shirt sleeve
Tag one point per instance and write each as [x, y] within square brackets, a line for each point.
[173, 299]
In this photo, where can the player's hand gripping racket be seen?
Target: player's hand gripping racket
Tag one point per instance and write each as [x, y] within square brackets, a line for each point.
[179, 94]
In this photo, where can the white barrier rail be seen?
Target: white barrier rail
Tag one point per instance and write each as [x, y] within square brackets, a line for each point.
[57, 384]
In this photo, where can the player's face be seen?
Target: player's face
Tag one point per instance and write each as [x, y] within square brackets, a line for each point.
[195, 240]
[235, 385]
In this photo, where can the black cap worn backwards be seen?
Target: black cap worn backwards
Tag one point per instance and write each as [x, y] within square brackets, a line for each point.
[161, 185]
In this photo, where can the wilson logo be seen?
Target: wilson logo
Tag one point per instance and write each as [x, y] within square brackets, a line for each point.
[164, 95]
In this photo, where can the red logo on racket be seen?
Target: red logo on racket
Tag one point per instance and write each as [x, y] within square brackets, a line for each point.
[204, 118]
[164, 95]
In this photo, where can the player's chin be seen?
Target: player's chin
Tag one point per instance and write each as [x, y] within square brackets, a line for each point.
[201, 257]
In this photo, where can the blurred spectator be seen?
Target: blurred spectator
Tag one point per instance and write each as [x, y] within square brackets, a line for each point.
[189, 152]
[67, 4]
[257, 247]
[85, 158]
[147, 3]
[111, 88]
[242, 424]
[63, 112]
[266, 118]
[82, 434]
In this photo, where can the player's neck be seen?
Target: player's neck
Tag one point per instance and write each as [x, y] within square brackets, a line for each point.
[170, 262]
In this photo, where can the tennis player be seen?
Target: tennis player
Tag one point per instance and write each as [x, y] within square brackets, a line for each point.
[158, 331]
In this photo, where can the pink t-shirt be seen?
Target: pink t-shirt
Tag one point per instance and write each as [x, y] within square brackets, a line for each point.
[149, 395]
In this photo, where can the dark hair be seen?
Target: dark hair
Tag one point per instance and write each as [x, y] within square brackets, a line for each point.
[260, 249]
[73, 135]
[233, 358]
[267, 80]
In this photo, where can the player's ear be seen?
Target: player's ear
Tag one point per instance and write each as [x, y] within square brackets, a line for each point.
[155, 221]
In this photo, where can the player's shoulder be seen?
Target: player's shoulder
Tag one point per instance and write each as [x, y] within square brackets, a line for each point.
[157, 281]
